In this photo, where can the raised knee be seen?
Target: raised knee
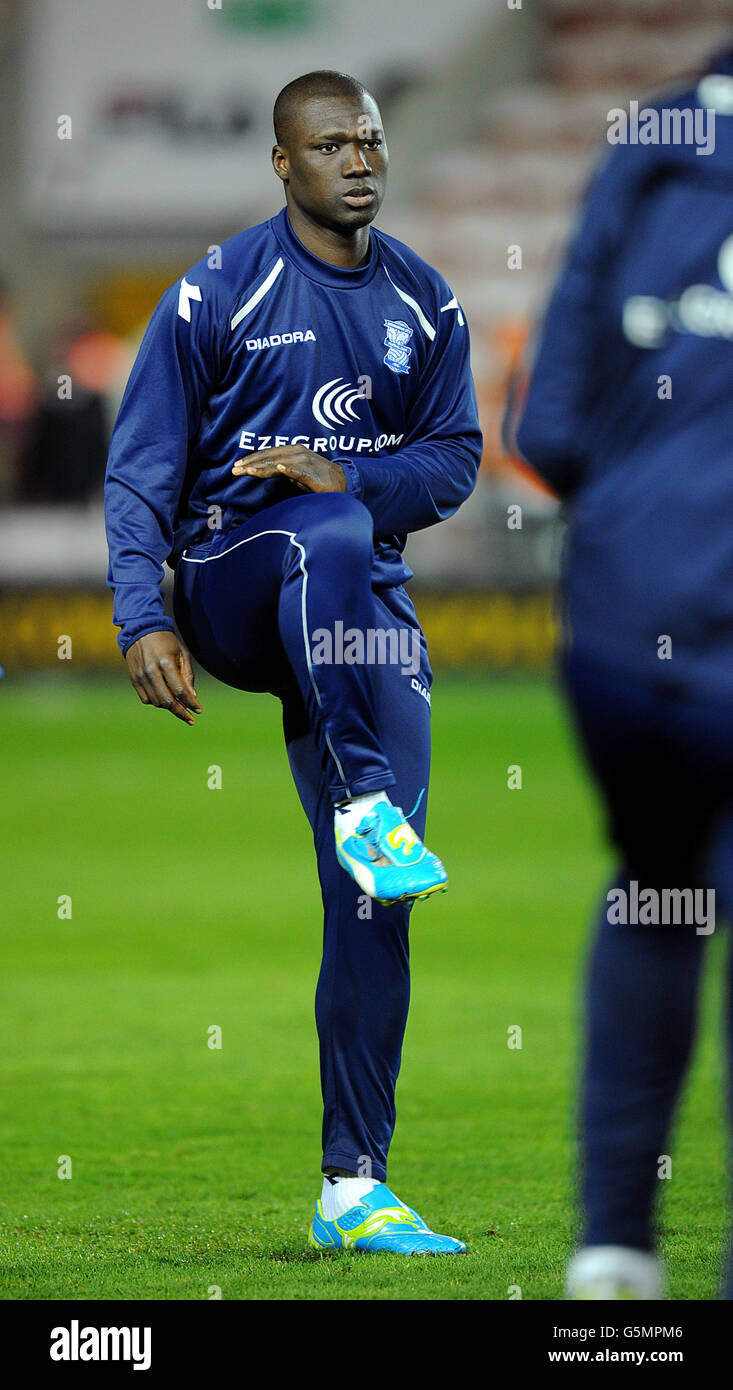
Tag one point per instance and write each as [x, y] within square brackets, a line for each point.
[339, 519]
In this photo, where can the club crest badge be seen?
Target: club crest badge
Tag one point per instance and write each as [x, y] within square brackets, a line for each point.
[397, 356]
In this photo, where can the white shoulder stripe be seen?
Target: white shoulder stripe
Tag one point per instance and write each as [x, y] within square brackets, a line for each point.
[408, 299]
[453, 304]
[258, 294]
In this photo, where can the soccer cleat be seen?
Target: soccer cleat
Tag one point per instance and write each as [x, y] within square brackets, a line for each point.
[614, 1272]
[386, 858]
[380, 1221]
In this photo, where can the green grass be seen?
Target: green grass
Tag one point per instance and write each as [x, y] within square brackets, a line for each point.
[191, 907]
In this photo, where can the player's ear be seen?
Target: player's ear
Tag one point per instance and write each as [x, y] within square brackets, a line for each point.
[280, 162]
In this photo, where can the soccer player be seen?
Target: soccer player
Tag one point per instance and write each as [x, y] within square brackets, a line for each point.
[299, 404]
[629, 416]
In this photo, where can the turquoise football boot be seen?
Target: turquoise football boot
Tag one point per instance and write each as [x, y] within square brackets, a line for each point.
[387, 860]
[380, 1221]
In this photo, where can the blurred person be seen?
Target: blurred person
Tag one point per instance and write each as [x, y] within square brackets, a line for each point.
[296, 408]
[17, 396]
[97, 359]
[629, 417]
[69, 437]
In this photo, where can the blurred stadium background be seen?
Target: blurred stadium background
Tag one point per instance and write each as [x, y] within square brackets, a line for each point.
[494, 116]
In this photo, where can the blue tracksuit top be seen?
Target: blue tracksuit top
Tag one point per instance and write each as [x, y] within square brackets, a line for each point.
[629, 412]
[264, 344]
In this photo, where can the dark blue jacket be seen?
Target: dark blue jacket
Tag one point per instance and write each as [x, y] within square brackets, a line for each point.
[629, 413]
[265, 344]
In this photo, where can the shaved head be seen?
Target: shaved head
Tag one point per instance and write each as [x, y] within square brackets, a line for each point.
[319, 84]
[331, 157]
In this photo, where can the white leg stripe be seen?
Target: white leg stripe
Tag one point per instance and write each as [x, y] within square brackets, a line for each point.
[303, 592]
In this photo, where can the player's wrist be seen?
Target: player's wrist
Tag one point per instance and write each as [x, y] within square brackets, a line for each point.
[338, 474]
[352, 477]
[162, 625]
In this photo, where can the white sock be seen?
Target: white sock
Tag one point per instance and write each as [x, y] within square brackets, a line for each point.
[350, 813]
[339, 1195]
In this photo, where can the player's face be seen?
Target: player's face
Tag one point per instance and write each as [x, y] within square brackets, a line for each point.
[335, 162]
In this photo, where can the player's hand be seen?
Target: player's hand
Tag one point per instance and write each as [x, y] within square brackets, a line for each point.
[312, 472]
[161, 672]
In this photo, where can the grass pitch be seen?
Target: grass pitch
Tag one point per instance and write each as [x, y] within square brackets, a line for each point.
[195, 1170]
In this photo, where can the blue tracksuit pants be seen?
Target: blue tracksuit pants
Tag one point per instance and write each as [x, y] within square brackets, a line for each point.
[252, 607]
[663, 760]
